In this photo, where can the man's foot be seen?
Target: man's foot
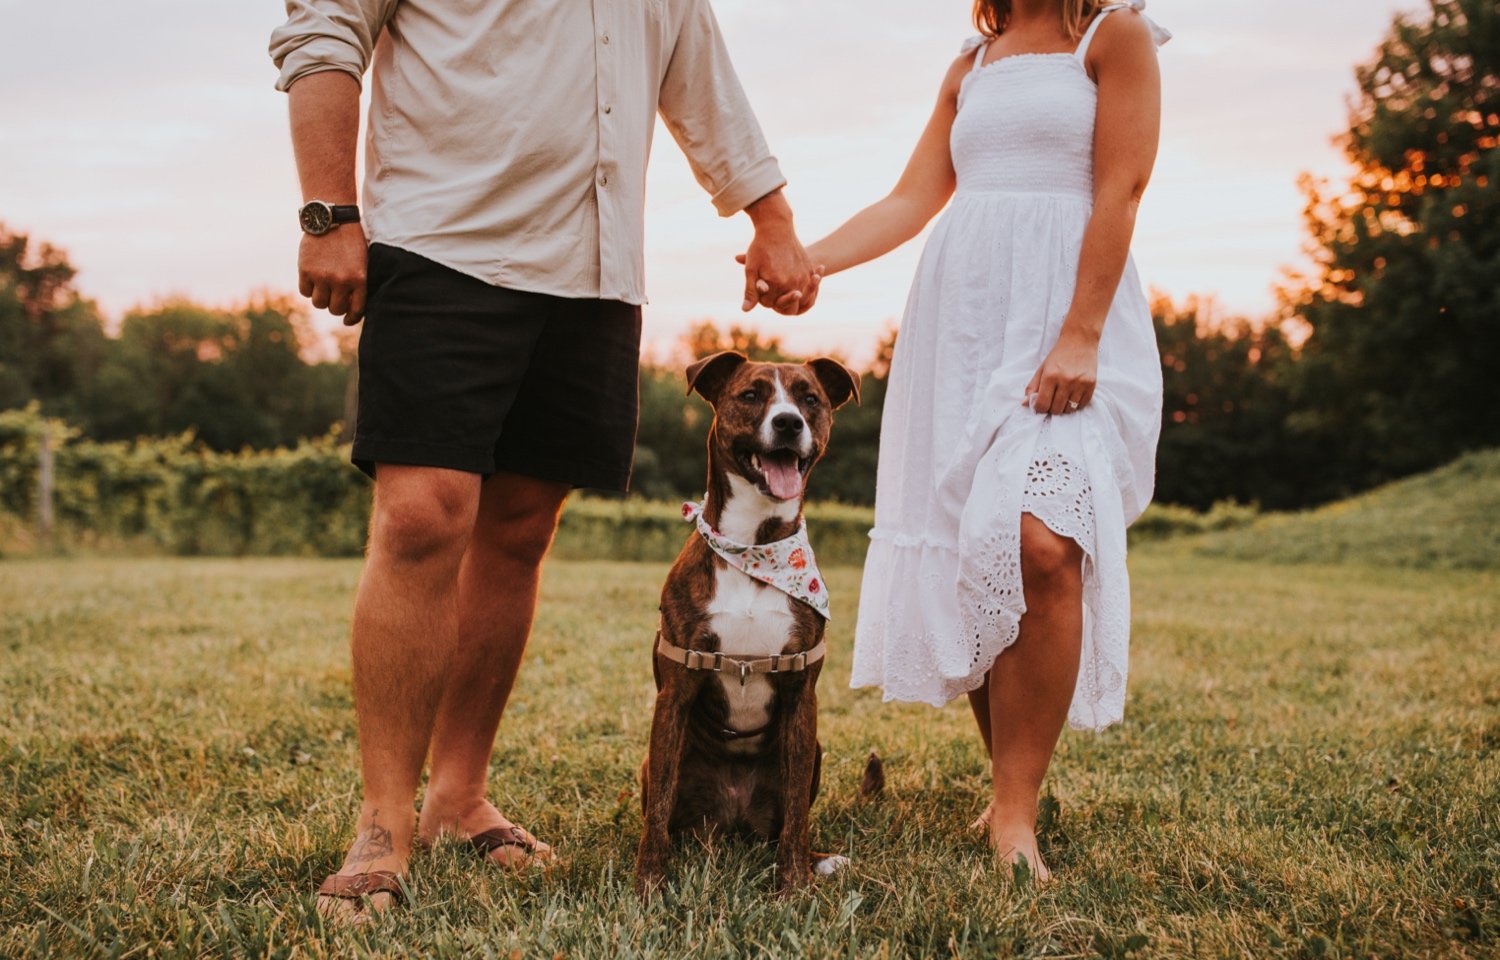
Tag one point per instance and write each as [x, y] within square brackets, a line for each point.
[478, 819]
[1016, 848]
[381, 847]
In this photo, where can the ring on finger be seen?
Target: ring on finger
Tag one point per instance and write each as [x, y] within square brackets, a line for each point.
[1073, 405]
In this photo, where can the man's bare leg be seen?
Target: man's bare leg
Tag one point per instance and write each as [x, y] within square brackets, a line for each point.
[405, 631]
[497, 598]
[1031, 687]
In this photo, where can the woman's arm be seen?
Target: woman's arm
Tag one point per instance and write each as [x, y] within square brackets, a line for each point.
[1125, 139]
[923, 189]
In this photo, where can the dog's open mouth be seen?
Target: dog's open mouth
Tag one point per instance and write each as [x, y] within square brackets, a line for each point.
[779, 473]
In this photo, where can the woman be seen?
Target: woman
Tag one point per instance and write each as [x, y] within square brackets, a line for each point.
[1024, 404]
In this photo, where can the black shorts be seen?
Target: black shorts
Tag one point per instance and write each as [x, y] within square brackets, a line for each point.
[457, 373]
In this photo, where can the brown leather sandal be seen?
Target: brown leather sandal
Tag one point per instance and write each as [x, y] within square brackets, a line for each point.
[360, 885]
[512, 837]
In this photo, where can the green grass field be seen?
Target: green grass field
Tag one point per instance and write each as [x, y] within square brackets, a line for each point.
[1446, 519]
[1307, 768]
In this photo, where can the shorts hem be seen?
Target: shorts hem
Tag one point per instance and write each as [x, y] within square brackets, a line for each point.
[591, 476]
[416, 453]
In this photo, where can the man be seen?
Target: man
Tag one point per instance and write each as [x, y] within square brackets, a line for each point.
[504, 196]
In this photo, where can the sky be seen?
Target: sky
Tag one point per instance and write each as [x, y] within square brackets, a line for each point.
[147, 140]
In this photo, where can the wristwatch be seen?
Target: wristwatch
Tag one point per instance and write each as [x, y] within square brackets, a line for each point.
[318, 218]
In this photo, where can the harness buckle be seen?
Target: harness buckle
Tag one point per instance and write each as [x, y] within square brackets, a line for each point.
[775, 663]
[744, 671]
[718, 666]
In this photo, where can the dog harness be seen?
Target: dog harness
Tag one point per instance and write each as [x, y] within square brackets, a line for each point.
[716, 662]
[788, 565]
[745, 666]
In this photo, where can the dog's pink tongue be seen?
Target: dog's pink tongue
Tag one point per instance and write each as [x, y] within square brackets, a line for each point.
[782, 475]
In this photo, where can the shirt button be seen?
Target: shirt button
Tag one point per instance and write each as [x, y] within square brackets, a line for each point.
[608, 108]
[603, 179]
[606, 39]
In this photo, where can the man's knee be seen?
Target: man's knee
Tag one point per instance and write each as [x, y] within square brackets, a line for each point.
[519, 519]
[420, 514]
[1047, 557]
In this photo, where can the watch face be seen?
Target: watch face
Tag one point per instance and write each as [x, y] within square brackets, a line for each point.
[317, 218]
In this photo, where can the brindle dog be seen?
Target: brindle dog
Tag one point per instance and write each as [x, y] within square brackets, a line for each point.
[732, 754]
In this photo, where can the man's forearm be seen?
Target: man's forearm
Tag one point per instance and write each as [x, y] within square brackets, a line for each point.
[771, 212]
[325, 131]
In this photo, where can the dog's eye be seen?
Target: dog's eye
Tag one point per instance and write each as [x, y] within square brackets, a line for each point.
[811, 400]
[749, 396]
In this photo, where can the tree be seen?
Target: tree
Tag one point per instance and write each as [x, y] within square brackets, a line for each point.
[51, 340]
[1397, 374]
[847, 472]
[1224, 407]
[705, 339]
[233, 378]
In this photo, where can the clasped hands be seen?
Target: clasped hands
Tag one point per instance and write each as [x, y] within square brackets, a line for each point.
[779, 274]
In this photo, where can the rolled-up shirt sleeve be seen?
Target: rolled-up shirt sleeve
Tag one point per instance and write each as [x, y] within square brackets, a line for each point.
[324, 35]
[707, 112]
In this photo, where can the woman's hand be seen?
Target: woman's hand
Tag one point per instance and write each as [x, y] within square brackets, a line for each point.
[1065, 381]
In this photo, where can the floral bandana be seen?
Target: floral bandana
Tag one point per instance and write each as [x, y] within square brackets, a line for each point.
[788, 565]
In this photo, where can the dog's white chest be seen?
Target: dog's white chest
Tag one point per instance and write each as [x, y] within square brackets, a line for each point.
[750, 619]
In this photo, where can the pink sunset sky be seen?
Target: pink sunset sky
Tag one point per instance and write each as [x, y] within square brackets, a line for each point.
[146, 139]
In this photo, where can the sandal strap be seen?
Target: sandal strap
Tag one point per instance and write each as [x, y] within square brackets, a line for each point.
[502, 837]
[360, 885]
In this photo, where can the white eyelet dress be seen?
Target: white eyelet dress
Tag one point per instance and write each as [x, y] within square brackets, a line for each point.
[961, 458]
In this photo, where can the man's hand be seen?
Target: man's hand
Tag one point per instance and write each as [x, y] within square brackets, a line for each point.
[331, 271]
[1065, 381]
[778, 273]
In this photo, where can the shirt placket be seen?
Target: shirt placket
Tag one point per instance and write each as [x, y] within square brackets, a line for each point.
[606, 189]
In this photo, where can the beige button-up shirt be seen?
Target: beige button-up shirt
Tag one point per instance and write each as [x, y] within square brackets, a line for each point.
[508, 139]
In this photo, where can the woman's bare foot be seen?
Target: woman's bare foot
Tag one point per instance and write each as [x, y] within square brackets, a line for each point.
[382, 844]
[465, 819]
[1016, 847]
[981, 823]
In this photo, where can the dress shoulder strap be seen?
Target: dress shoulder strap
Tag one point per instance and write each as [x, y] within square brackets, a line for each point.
[1159, 34]
[979, 44]
[1088, 35]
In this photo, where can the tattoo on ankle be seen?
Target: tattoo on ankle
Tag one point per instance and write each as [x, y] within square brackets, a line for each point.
[373, 842]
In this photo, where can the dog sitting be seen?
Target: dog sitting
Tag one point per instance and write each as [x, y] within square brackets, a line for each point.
[734, 739]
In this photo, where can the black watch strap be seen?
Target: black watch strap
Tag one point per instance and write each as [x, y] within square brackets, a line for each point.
[345, 212]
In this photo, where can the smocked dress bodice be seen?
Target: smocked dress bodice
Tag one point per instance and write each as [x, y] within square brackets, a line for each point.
[1025, 124]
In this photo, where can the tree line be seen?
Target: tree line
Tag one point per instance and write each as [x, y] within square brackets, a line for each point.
[1379, 364]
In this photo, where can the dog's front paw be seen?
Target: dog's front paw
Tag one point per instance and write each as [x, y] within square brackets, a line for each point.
[794, 875]
[650, 874]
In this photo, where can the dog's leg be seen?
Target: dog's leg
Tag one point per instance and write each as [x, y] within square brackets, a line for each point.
[799, 758]
[659, 780]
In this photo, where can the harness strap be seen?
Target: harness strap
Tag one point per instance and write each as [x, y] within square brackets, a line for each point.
[716, 662]
[730, 734]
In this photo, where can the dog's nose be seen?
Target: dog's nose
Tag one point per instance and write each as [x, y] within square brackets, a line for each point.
[786, 423]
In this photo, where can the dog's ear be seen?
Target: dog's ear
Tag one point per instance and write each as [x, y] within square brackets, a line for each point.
[709, 375]
[838, 381]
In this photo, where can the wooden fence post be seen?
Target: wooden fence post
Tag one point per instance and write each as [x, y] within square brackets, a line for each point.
[44, 484]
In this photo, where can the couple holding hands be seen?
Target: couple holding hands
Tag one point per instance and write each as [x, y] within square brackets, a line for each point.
[497, 264]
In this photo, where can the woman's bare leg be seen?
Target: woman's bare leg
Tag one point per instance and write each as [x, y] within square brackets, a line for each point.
[979, 702]
[1030, 688]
